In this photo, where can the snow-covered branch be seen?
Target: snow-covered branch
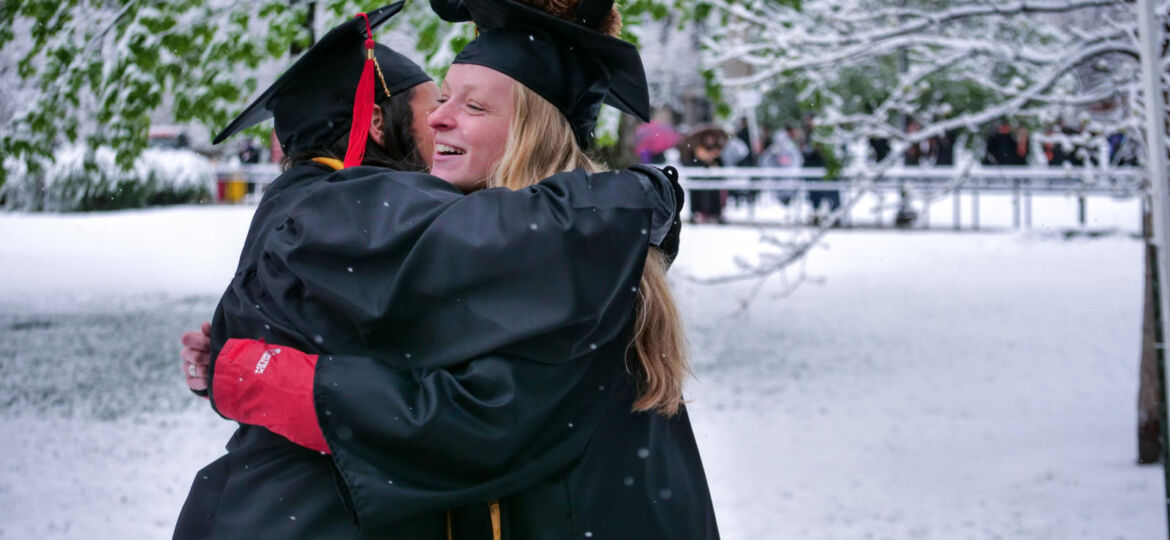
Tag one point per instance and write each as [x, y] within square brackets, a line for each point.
[911, 72]
[1030, 58]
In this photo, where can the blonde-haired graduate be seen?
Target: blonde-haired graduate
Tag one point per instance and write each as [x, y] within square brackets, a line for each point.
[487, 388]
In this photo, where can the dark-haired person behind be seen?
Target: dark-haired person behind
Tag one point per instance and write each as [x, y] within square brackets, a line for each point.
[315, 144]
[380, 263]
[312, 115]
[706, 204]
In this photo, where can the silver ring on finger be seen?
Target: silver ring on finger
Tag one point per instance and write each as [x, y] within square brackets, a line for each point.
[192, 371]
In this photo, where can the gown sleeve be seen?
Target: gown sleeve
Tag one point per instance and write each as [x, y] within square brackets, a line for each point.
[413, 440]
[378, 266]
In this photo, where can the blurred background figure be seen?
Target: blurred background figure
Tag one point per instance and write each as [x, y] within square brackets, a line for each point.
[737, 152]
[814, 156]
[703, 147]
[1003, 148]
[1054, 152]
[782, 152]
[942, 148]
[249, 153]
[918, 153]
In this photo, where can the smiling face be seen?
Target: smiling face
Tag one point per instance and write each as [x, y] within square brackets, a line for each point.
[471, 125]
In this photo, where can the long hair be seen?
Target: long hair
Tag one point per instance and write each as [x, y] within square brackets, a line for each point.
[540, 144]
[398, 150]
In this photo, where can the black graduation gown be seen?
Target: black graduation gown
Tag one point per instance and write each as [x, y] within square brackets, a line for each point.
[556, 444]
[403, 269]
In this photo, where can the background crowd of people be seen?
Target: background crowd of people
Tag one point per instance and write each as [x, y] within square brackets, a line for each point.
[795, 146]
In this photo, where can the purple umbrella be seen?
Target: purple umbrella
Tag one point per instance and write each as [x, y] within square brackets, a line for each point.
[654, 138]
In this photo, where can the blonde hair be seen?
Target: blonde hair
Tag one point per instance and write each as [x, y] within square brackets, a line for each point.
[540, 144]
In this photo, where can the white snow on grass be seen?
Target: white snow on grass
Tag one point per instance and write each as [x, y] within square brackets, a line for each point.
[920, 385]
[933, 386]
[87, 479]
[179, 250]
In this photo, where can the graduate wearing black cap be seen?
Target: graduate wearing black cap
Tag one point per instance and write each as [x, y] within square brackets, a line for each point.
[532, 438]
[328, 96]
[390, 269]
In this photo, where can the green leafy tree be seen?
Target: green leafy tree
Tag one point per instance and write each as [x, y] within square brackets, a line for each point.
[98, 69]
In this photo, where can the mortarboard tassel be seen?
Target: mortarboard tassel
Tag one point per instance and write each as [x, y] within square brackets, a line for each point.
[363, 105]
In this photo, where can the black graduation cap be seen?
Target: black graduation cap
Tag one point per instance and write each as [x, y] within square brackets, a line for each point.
[569, 63]
[313, 102]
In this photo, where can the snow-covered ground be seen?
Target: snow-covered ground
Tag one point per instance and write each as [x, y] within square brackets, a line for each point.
[921, 384]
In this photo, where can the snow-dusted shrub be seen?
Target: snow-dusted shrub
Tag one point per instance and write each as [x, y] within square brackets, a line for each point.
[158, 177]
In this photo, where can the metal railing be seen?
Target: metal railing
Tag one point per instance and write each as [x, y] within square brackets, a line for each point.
[1118, 181]
[927, 184]
[246, 183]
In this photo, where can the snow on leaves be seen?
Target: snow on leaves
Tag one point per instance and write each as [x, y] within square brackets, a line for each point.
[951, 66]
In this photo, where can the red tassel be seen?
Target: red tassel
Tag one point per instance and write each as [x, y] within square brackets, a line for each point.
[363, 105]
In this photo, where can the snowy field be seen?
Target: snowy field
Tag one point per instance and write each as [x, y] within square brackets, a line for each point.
[921, 384]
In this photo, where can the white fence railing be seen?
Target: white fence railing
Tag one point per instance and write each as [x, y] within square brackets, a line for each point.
[246, 183]
[924, 184]
[1114, 181]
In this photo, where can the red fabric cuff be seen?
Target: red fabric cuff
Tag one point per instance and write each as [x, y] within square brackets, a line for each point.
[271, 386]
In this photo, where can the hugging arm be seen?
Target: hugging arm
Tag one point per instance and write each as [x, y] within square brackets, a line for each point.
[534, 273]
[408, 441]
[500, 386]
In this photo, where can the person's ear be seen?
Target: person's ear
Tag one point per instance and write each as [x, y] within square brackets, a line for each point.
[376, 125]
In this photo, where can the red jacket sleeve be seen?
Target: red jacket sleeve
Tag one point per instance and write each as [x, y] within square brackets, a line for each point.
[269, 386]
